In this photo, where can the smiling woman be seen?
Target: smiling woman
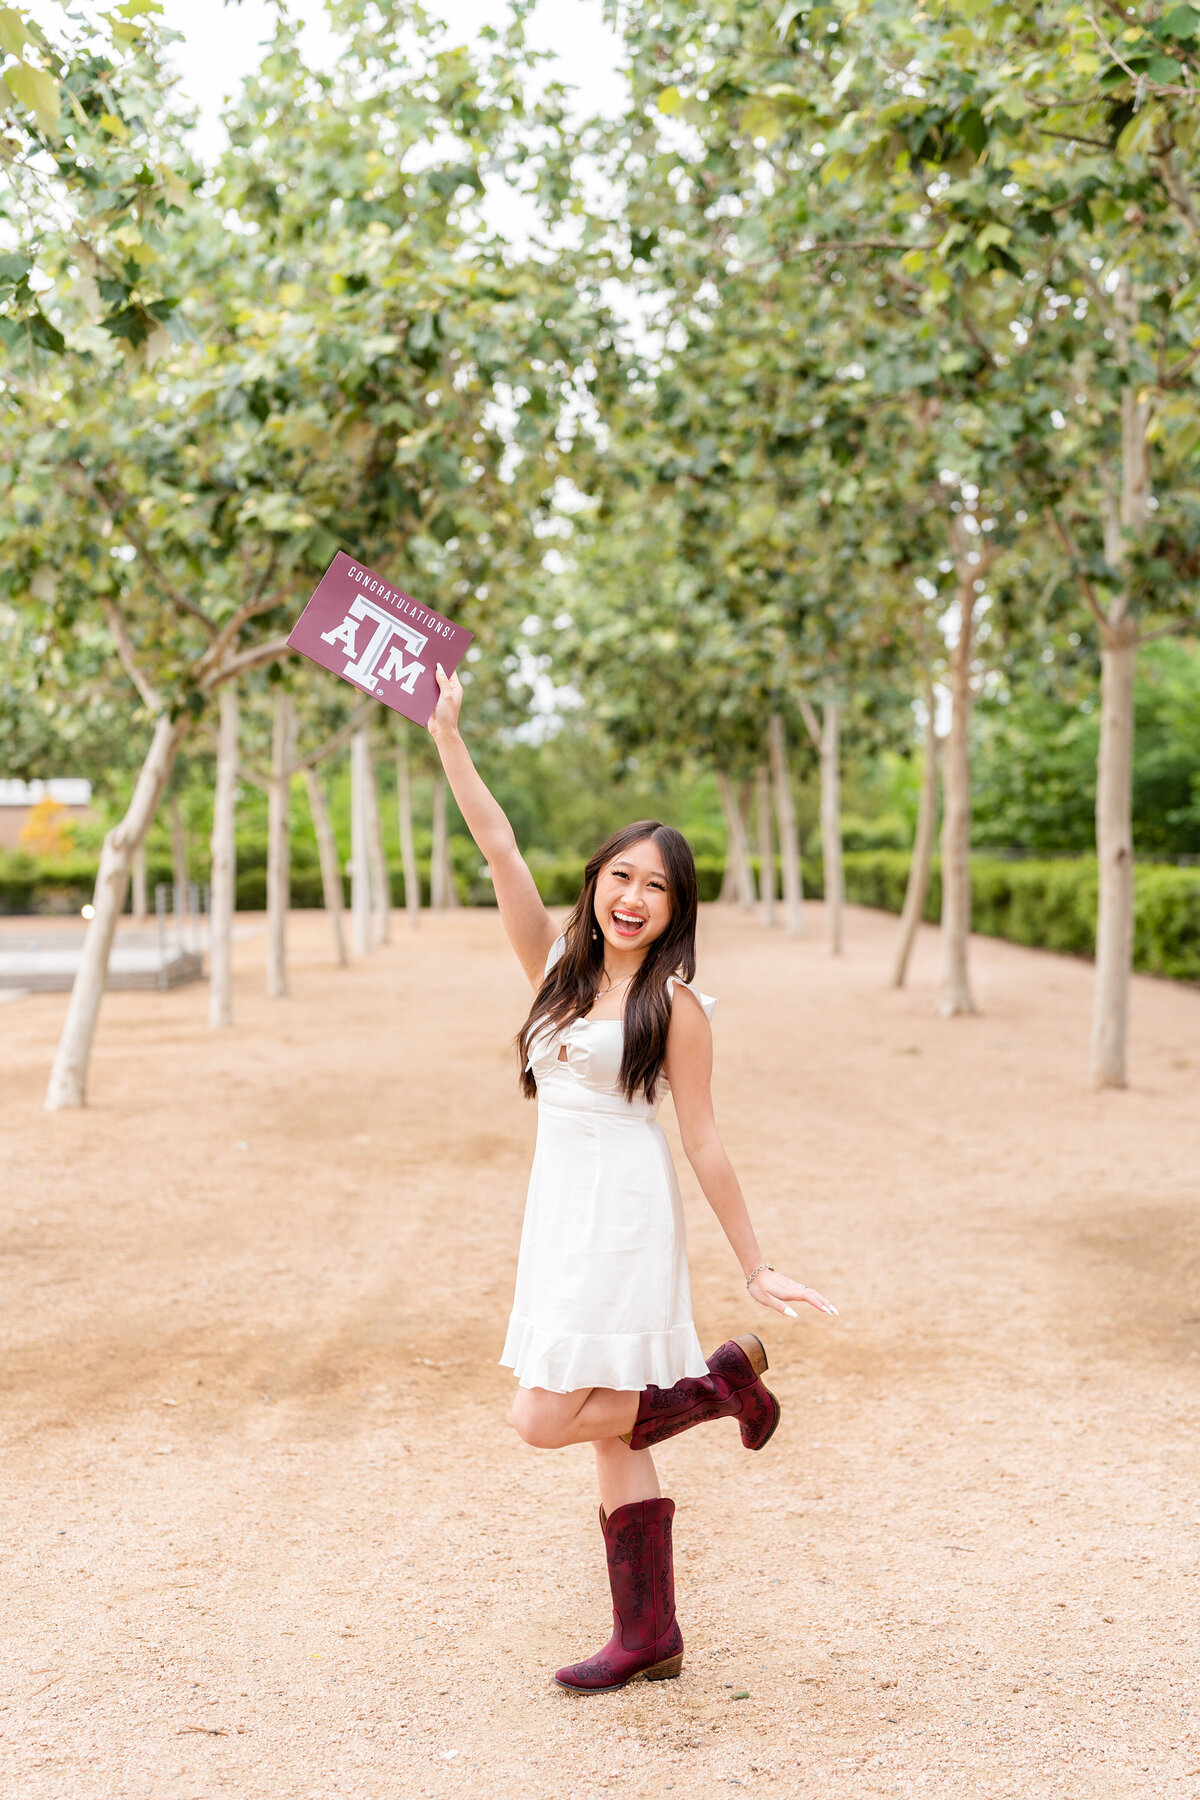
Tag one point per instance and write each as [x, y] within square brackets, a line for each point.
[601, 1337]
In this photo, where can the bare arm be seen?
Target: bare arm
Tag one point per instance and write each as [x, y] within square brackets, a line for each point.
[689, 1071]
[529, 926]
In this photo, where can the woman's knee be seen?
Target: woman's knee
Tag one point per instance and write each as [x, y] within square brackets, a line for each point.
[535, 1422]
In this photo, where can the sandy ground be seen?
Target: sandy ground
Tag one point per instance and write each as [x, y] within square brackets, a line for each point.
[267, 1531]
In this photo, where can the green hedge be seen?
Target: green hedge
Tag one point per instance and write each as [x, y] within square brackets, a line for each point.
[1051, 905]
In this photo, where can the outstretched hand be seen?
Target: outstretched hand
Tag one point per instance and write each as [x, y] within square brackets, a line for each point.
[444, 716]
[774, 1290]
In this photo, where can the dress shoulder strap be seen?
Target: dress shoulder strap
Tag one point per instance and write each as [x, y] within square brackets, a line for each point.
[706, 1000]
[556, 950]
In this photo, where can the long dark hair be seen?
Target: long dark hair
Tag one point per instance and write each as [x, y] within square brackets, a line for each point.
[569, 990]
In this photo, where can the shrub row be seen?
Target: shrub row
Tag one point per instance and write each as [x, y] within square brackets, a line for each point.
[1048, 905]
[1051, 905]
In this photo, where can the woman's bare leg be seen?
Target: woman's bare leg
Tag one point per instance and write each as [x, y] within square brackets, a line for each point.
[552, 1421]
[624, 1475]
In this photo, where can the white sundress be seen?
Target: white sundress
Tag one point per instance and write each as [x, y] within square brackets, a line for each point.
[602, 1296]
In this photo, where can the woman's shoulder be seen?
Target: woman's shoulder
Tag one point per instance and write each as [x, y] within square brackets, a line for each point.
[676, 982]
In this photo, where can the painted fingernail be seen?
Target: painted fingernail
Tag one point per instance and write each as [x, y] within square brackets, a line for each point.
[791, 1312]
[835, 1312]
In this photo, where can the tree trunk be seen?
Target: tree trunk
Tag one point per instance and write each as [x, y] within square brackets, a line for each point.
[180, 875]
[743, 798]
[731, 884]
[68, 1076]
[831, 826]
[789, 840]
[826, 738]
[1114, 767]
[408, 851]
[922, 851]
[739, 849]
[438, 898]
[360, 871]
[224, 862]
[1114, 856]
[954, 992]
[331, 867]
[381, 887]
[450, 897]
[139, 883]
[279, 850]
[766, 849]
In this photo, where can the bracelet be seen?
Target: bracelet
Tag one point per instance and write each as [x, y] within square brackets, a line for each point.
[755, 1273]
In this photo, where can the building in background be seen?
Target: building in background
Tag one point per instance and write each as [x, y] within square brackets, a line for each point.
[71, 798]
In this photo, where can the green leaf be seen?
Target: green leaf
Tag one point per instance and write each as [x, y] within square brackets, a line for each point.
[37, 92]
[46, 335]
[13, 35]
[13, 268]
[972, 130]
[1181, 23]
[670, 100]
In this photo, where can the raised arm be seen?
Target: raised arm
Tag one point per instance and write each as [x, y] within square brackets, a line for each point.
[689, 1071]
[529, 926]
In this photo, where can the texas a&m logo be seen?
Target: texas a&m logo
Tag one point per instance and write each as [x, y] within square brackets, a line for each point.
[377, 637]
[379, 631]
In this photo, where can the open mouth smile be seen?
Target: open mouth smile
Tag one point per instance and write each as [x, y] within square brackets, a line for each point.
[626, 924]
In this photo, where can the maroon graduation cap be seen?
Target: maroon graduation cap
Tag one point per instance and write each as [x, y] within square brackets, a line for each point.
[378, 637]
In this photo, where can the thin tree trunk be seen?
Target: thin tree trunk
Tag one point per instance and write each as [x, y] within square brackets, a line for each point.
[743, 799]
[331, 867]
[437, 853]
[1114, 856]
[448, 885]
[408, 851]
[224, 862]
[381, 887]
[279, 852]
[139, 883]
[68, 1076]
[954, 992]
[922, 851]
[831, 826]
[789, 837]
[731, 879]
[826, 737]
[1114, 767]
[766, 848]
[180, 874]
[360, 872]
[739, 849]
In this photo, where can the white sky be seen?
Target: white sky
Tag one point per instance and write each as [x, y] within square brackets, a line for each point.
[222, 44]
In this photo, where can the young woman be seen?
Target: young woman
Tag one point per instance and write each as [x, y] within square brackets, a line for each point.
[601, 1338]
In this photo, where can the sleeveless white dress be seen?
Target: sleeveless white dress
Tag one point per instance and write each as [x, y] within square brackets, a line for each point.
[602, 1297]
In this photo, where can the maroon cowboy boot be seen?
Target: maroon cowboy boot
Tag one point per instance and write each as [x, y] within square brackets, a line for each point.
[645, 1640]
[732, 1389]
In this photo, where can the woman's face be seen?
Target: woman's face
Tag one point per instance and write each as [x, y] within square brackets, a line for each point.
[633, 900]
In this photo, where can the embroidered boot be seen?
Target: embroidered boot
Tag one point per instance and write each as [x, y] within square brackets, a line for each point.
[732, 1389]
[646, 1639]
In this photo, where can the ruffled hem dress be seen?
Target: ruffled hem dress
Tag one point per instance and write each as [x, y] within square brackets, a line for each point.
[602, 1295]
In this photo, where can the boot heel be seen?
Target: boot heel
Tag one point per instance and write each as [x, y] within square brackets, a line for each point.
[752, 1349]
[666, 1671]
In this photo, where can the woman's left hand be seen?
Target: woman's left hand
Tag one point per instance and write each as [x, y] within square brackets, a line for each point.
[775, 1290]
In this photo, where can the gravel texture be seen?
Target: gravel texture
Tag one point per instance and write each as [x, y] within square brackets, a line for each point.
[267, 1531]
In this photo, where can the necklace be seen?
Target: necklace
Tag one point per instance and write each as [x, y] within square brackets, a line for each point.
[614, 984]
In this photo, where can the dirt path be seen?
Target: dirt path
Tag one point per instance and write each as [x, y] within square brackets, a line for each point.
[268, 1533]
